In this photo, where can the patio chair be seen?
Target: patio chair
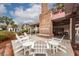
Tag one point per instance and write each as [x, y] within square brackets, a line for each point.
[22, 38]
[56, 42]
[26, 44]
[29, 36]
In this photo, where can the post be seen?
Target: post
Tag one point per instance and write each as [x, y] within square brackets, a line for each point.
[72, 30]
[35, 29]
[30, 30]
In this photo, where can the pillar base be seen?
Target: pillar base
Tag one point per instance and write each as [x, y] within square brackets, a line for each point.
[45, 35]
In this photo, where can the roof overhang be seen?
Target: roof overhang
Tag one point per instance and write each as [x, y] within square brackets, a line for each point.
[66, 16]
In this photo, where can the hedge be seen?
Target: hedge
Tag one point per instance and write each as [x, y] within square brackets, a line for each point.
[5, 35]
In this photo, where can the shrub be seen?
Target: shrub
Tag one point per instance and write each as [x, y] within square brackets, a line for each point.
[21, 32]
[24, 30]
[2, 37]
[5, 35]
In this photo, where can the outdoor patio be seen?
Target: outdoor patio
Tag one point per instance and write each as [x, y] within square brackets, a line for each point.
[6, 48]
[66, 43]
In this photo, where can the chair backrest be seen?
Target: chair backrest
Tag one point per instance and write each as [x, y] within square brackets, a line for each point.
[17, 36]
[20, 39]
[62, 38]
[25, 34]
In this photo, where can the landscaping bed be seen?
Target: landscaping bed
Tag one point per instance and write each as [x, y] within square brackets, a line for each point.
[6, 35]
[5, 43]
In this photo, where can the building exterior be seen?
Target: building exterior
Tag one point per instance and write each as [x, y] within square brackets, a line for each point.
[31, 28]
[47, 19]
[13, 29]
[60, 22]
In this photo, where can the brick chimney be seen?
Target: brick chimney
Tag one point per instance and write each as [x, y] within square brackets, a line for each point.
[45, 26]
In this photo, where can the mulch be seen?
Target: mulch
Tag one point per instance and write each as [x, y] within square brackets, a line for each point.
[76, 49]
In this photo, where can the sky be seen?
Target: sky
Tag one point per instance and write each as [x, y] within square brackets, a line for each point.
[22, 13]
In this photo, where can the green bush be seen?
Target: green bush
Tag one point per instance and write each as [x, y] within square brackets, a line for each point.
[24, 30]
[21, 32]
[5, 35]
[2, 37]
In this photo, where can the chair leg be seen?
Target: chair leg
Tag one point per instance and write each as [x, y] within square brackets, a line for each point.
[53, 49]
[24, 53]
[63, 46]
[56, 48]
[33, 54]
[63, 50]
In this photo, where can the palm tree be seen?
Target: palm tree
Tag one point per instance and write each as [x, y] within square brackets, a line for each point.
[7, 20]
[59, 5]
[14, 25]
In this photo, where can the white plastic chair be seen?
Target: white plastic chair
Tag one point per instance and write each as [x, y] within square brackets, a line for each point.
[22, 39]
[26, 43]
[56, 42]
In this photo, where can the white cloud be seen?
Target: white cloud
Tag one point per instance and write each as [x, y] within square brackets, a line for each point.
[28, 15]
[5, 3]
[2, 9]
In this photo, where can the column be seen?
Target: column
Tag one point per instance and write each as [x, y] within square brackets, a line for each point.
[35, 29]
[30, 31]
[72, 30]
